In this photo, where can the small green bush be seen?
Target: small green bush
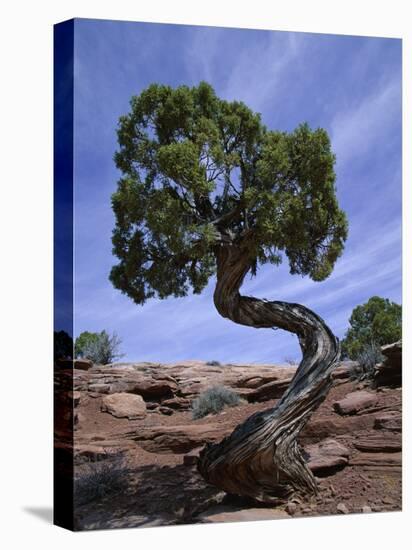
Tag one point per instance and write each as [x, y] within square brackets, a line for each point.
[213, 363]
[213, 401]
[101, 478]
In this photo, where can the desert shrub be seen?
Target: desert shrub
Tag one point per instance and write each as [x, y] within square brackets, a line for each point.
[367, 359]
[213, 363]
[213, 401]
[290, 361]
[99, 347]
[101, 478]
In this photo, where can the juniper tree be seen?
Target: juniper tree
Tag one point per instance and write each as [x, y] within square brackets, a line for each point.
[208, 190]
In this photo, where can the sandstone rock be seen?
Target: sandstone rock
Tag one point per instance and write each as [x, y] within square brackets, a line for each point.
[366, 509]
[343, 370]
[178, 403]
[165, 410]
[379, 443]
[378, 461]
[326, 456]
[223, 513]
[147, 387]
[99, 388]
[291, 508]
[322, 427]
[390, 420]
[270, 390]
[124, 405]
[389, 372]
[355, 402]
[176, 439]
[342, 509]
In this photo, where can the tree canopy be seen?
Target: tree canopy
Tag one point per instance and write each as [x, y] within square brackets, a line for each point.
[377, 322]
[198, 171]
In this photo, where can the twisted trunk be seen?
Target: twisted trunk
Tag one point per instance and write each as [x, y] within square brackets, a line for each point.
[261, 458]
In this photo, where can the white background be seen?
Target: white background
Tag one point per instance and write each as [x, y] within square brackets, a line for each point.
[26, 270]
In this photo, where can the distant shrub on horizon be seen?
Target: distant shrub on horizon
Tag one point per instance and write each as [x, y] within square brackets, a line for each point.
[214, 400]
[214, 363]
[290, 361]
[100, 347]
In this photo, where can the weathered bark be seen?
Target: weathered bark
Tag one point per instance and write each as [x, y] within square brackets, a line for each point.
[261, 458]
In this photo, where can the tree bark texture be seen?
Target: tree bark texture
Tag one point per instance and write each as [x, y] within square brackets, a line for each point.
[261, 459]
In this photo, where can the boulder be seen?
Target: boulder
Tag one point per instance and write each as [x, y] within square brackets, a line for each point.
[354, 402]
[326, 456]
[344, 370]
[124, 405]
[389, 372]
[341, 508]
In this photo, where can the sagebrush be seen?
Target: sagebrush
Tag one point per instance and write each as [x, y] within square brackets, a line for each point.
[213, 401]
[366, 360]
[101, 478]
[100, 347]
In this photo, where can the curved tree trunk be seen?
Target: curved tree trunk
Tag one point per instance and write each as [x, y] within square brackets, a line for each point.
[261, 458]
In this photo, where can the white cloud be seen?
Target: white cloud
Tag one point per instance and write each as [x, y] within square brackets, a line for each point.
[366, 124]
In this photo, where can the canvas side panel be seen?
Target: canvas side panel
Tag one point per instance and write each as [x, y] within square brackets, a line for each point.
[63, 273]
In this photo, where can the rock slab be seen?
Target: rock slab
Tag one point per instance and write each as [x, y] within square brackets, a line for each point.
[355, 402]
[124, 405]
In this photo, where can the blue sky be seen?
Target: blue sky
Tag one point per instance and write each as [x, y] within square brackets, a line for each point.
[351, 86]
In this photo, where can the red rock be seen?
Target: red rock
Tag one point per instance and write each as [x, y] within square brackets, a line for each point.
[391, 420]
[343, 370]
[379, 460]
[124, 405]
[178, 403]
[389, 372]
[379, 443]
[327, 455]
[99, 388]
[176, 439]
[355, 402]
[342, 509]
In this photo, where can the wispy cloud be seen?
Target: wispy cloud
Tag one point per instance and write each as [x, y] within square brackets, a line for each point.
[369, 123]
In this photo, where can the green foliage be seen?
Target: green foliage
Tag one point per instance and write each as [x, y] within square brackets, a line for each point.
[196, 167]
[63, 345]
[100, 347]
[213, 363]
[375, 323]
[214, 400]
